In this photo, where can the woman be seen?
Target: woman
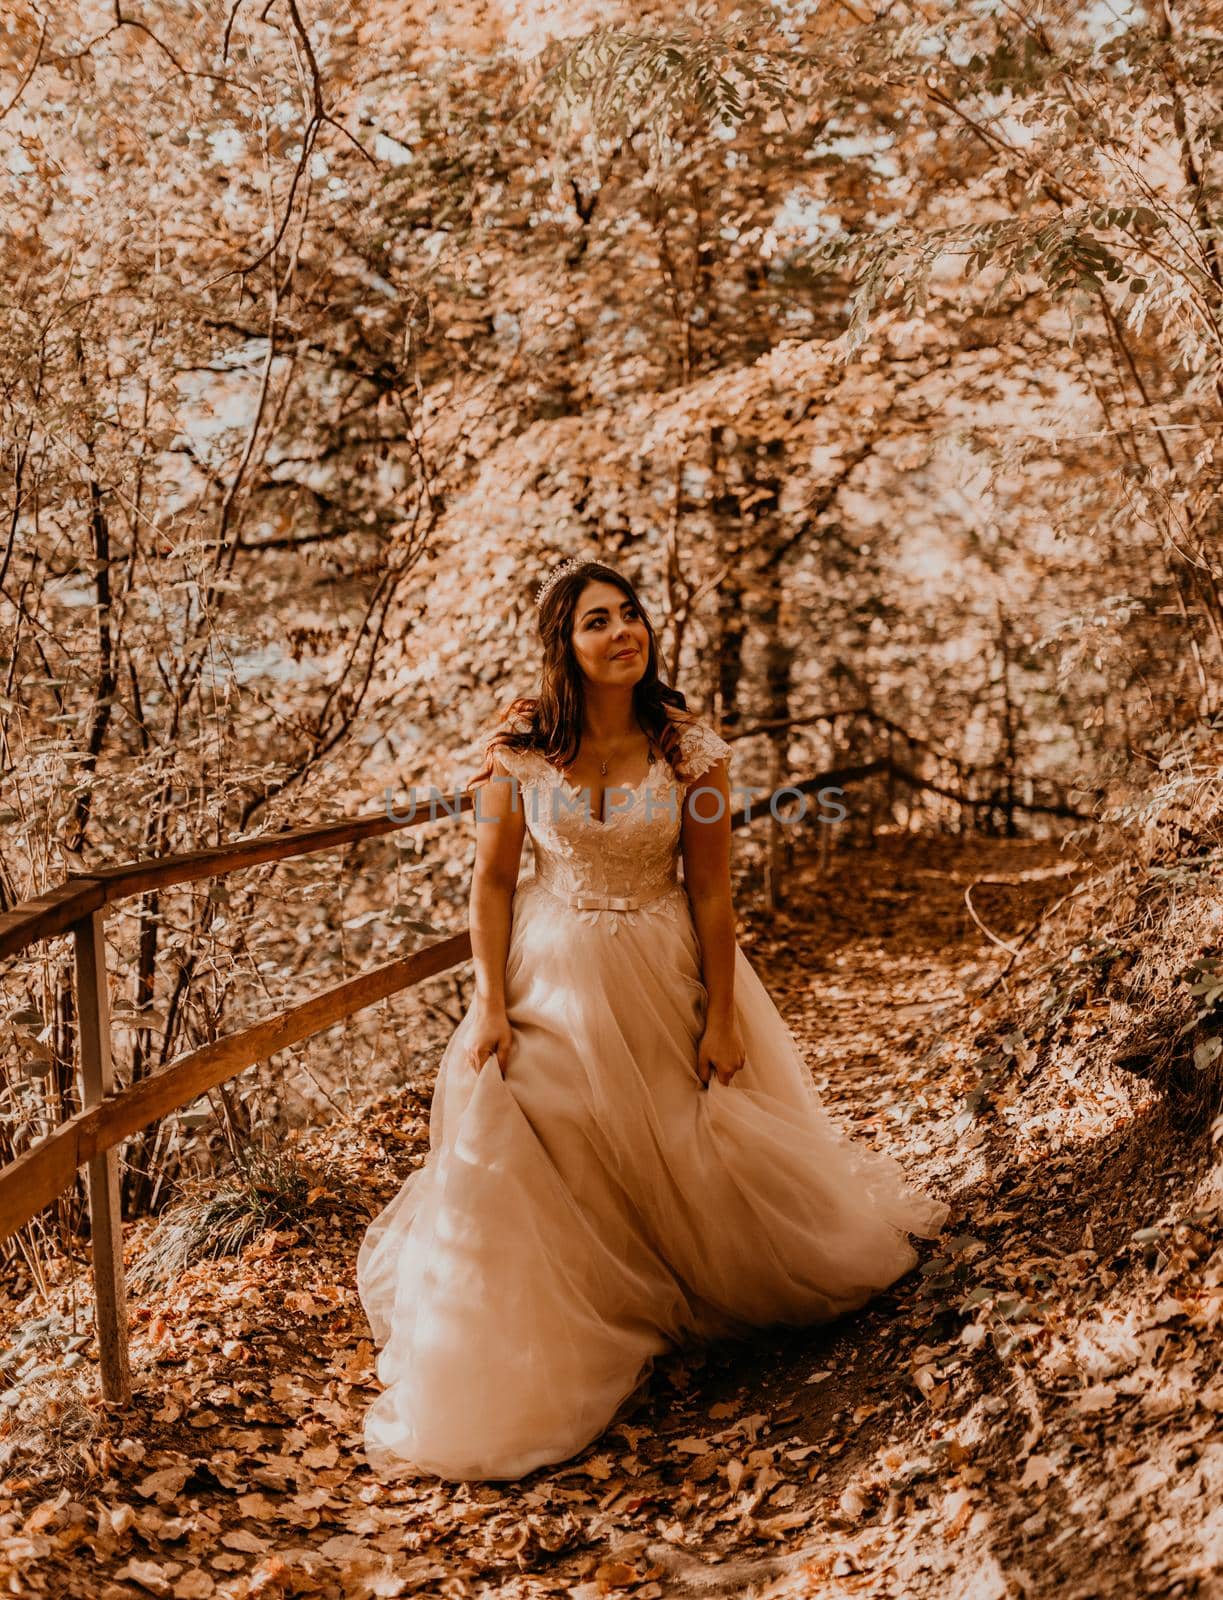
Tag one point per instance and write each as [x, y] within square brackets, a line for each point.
[646, 1160]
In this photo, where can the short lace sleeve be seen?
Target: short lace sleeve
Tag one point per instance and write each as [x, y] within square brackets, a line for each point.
[520, 764]
[513, 761]
[701, 748]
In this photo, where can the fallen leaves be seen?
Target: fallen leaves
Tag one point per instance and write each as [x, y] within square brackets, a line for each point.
[166, 1484]
[241, 1474]
[1099, 1397]
[153, 1577]
[195, 1584]
[240, 1539]
[1037, 1472]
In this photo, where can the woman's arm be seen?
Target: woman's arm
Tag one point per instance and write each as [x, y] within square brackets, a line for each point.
[705, 845]
[500, 828]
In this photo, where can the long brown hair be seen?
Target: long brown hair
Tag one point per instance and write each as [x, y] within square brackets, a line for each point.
[550, 722]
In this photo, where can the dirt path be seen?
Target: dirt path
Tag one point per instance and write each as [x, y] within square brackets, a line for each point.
[1029, 1415]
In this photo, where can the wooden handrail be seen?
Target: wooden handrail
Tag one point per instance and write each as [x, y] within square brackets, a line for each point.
[48, 914]
[92, 1135]
[881, 721]
[35, 1178]
[982, 803]
[885, 766]
[55, 911]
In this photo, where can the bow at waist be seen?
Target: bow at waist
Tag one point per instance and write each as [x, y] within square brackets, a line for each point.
[584, 900]
[604, 902]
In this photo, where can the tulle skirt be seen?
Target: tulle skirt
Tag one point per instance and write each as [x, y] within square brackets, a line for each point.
[599, 1205]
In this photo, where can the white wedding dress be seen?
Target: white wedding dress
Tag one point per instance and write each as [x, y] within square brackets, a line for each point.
[598, 1205]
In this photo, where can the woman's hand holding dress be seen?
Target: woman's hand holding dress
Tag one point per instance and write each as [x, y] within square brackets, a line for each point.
[491, 1035]
[720, 1052]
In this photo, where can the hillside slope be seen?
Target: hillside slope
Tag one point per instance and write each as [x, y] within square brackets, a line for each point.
[1028, 1414]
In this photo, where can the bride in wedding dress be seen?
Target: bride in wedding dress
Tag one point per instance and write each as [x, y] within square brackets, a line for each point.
[626, 1150]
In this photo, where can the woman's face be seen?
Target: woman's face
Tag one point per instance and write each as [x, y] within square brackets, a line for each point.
[606, 626]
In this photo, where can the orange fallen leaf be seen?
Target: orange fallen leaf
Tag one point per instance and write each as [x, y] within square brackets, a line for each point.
[615, 1575]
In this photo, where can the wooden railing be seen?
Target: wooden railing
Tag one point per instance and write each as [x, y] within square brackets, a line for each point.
[91, 1137]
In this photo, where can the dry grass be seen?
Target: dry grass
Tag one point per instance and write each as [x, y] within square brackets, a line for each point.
[53, 1433]
[1145, 938]
[216, 1216]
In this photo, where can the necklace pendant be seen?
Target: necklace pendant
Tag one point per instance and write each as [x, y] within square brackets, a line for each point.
[603, 768]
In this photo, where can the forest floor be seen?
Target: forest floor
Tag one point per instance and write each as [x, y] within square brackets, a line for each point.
[1033, 1412]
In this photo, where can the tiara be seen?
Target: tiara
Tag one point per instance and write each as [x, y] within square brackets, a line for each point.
[555, 576]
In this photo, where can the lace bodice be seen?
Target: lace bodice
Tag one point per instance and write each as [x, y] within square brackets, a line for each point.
[634, 852]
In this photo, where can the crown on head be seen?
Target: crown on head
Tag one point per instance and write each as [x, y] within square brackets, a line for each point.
[555, 576]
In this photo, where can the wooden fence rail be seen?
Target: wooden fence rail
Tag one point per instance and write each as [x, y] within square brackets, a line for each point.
[92, 1136]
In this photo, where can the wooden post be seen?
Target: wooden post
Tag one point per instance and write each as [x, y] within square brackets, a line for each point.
[773, 871]
[825, 828]
[105, 1218]
[890, 790]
